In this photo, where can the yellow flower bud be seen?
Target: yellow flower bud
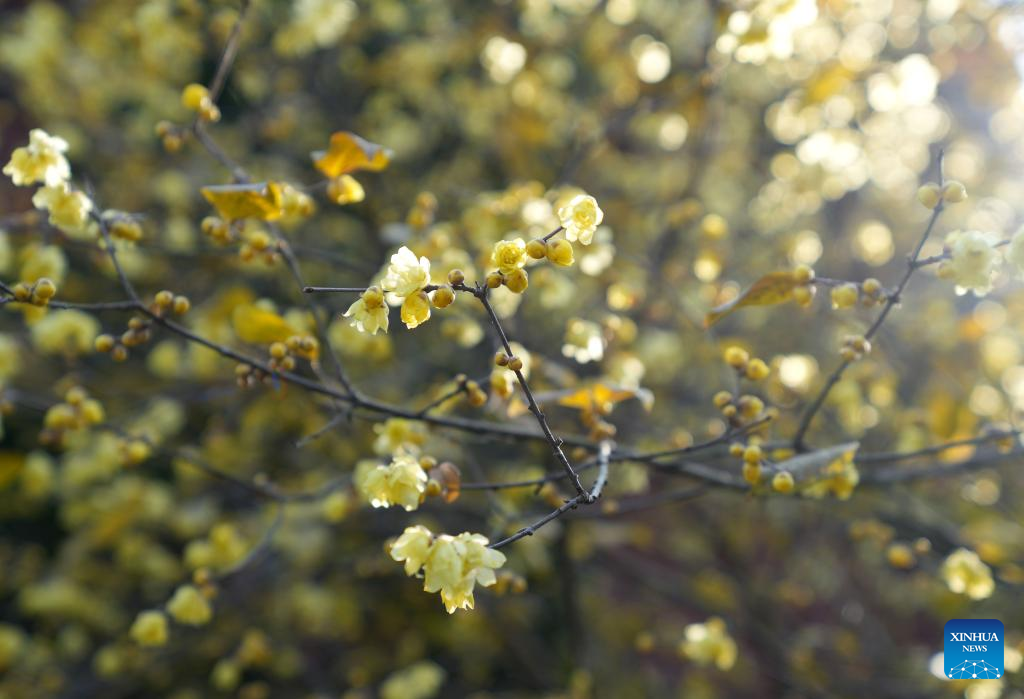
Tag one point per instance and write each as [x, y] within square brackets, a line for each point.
[722, 399]
[456, 276]
[45, 289]
[757, 370]
[345, 189]
[752, 472]
[803, 273]
[782, 482]
[752, 454]
[195, 96]
[803, 295]
[494, 280]
[515, 364]
[929, 195]
[443, 297]
[501, 359]
[871, 286]
[844, 296]
[416, 309]
[163, 298]
[517, 281]
[736, 357]
[181, 305]
[560, 252]
[954, 192]
[900, 556]
[537, 249]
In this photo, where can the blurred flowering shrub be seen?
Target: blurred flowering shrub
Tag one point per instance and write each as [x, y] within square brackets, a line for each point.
[356, 349]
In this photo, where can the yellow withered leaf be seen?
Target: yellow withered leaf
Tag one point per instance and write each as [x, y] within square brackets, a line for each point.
[237, 201]
[260, 326]
[776, 287]
[348, 152]
[600, 398]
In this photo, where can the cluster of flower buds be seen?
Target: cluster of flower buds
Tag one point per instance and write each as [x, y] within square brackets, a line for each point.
[444, 479]
[134, 450]
[76, 412]
[38, 293]
[259, 245]
[746, 366]
[516, 281]
[196, 98]
[738, 409]
[803, 294]
[558, 251]
[755, 465]
[854, 347]
[931, 194]
[140, 329]
[869, 293]
[476, 395]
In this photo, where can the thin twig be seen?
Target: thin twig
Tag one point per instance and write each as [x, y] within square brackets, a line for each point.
[893, 298]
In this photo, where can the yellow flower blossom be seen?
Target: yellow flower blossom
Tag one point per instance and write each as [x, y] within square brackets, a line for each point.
[452, 565]
[580, 218]
[406, 274]
[421, 680]
[188, 606]
[966, 574]
[972, 262]
[150, 628]
[69, 209]
[369, 313]
[68, 331]
[42, 160]
[401, 482]
[413, 547]
[509, 255]
[395, 433]
[416, 309]
[709, 643]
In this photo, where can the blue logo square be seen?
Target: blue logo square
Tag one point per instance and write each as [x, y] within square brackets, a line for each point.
[973, 649]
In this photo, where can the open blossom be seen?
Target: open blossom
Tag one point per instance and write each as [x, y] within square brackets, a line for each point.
[69, 209]
[509, 255]
[42, 160]
[972, 261]
[452, 565]
[966, 574]
[402, 482]
[580, 218]
[416, 309]
[709, 643]
[369, 313]
[406, 274]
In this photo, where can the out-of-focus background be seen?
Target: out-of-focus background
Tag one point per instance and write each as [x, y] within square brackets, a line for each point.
[723, 141]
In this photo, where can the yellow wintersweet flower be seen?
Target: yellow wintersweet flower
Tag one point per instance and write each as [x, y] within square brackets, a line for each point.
[69, 209]
[972, 261]
[42, 160]
[416, 309]
[395, 433]
[68, 331]
[406, 274]
[413, 547]
[708, 643]
[966, 574]
[580, 218]
[369, 313]
[150, 628]
[401, 482]
[188, 606]
[840, 478]
[452, 565]
[509, 255]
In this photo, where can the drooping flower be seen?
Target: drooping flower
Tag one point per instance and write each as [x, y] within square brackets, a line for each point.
[69, 209]
[406, 274]
[452, 565]
[966, 574]
[972, 261]
[369, 313]
[580, 218]
[416, 309]
[709, 643]
[509, 255]
[413, 547]
[42, 160]
[401, 482]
